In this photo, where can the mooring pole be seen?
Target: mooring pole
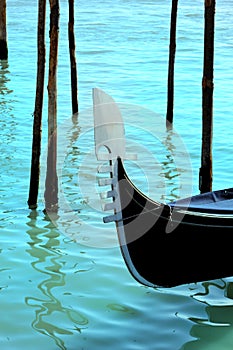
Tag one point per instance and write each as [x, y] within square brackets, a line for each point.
[51, 181]
[3, 31]
[205, 175]
[36, 142]
[73, 68]
[172, 51]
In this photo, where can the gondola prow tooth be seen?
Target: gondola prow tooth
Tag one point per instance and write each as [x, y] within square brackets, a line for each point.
[112, 194]
[116, 217]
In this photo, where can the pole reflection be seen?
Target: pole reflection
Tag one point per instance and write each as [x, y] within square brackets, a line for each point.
[169, 168]
[4, 89]
[51, 316]
[176, 168]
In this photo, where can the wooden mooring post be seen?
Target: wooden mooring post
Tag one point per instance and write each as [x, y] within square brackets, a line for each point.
[171, 63]
[36, 142]
[3, 31]
[51, 181]
[205, 175]
[73, 66]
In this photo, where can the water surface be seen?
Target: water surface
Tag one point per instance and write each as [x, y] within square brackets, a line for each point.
[63, 282]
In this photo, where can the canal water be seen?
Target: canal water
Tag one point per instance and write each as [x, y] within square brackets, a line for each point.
[63, 281]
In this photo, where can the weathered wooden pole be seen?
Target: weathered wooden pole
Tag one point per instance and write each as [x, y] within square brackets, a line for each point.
[3, 31]
[36, 142]
[172, 51]
[51, 181]
[73, 67]
[205, 178]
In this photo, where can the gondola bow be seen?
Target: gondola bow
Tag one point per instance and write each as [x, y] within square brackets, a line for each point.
[163, 244]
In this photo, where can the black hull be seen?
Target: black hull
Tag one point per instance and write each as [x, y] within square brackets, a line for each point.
[167, 245]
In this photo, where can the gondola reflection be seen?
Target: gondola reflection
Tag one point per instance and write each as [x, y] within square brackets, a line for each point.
[214, 330]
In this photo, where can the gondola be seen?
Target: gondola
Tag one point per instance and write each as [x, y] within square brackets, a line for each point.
[163, 244]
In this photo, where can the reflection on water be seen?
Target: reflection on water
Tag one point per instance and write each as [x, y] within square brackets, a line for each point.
[3, 77]
[49, 311]
[214, 331]
[68, 155]
[4, 90]
[106, 309]
[8, 126]
[6, 103]
[169, 168]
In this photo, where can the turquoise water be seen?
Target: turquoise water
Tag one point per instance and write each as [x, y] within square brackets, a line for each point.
[63, 282]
